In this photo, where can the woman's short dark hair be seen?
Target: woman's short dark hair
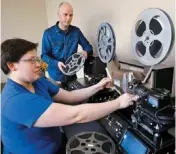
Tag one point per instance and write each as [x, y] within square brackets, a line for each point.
[13, 49]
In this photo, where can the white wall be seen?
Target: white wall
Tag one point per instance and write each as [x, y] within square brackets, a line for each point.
[23, 18]
[89, 14]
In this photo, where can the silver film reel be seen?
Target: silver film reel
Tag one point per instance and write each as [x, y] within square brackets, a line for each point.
[74, 64]
[152, 36]
[106, 42]
[90, 143]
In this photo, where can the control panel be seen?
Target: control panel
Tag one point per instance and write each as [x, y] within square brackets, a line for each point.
[115, 126]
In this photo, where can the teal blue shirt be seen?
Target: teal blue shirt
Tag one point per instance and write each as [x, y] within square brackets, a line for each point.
[20, 110]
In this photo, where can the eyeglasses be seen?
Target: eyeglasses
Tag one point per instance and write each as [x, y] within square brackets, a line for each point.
[43, 65]
[32, 60]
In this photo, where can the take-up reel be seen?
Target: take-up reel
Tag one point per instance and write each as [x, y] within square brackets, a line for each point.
[74, 64]
[152, 36]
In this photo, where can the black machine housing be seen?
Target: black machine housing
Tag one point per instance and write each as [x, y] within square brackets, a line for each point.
[153, 114]
[146, 122]
[94, 70]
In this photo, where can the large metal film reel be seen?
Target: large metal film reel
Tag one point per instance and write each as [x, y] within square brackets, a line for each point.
[73, 64]
[106, 42]
[90, 143]
[152, 36]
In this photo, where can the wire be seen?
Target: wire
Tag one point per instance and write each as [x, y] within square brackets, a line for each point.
[156, 116]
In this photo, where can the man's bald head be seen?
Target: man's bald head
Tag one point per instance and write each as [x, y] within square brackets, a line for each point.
[64, 5]
[65, 14]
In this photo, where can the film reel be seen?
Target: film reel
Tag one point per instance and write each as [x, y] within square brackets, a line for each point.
[90, 143]
[106, 42]
[74, 64]
[152, 36]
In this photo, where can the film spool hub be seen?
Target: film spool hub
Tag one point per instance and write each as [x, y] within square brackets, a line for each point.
[152, 36]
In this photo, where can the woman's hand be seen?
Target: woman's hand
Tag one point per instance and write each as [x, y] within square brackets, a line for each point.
[126, 100]
[104, 83]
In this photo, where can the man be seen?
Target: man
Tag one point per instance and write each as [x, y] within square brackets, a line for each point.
[60, 42]
[30, 118]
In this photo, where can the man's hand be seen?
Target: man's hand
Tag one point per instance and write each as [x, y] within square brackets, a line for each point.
[61, 65]
[84, 54]
[126, 100]
[104, 83]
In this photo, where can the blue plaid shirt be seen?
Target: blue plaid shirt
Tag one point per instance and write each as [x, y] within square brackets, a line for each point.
[59, 45]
